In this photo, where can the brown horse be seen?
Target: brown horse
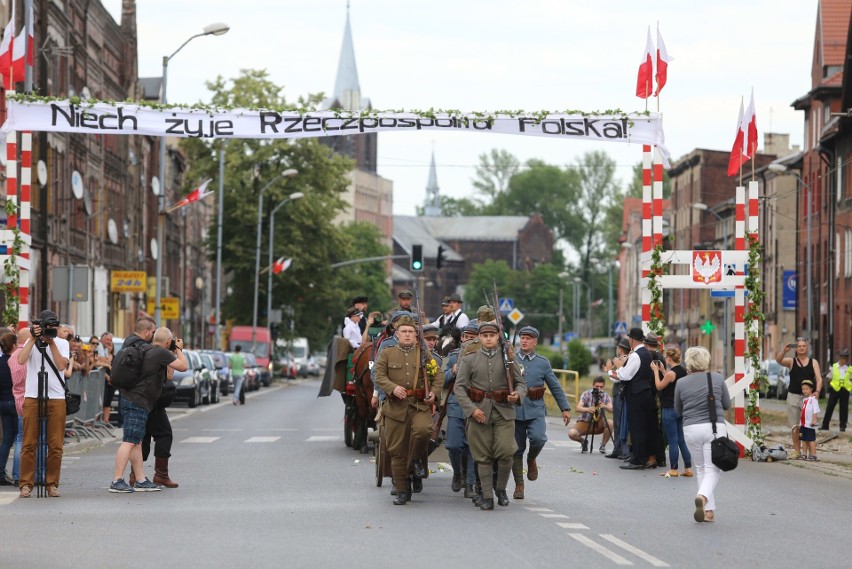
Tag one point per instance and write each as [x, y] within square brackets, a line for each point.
[362, 415]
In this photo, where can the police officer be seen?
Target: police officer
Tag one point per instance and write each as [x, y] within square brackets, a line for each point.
[456, 442]
[841, 385]
[489, 404]
[407, 412]
[530, 422]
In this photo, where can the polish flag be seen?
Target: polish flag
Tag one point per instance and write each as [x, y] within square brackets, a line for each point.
[23, 48]
[645, 79]
[598, 302]
[750, 122]
[663, 59]
[197, 194]
[6, 49]
[281, 265]
[738, 156]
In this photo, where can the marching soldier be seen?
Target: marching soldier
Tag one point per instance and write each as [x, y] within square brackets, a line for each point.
[407, 413]
[403, 304]
[464, 469]
[530, 422]
[482, 388]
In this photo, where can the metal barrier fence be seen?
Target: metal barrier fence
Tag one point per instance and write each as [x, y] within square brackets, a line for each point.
[88, 421]
[564, 376]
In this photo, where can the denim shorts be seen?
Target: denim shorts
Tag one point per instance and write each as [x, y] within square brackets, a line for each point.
[135, 418]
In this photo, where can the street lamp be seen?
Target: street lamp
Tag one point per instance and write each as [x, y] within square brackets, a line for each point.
[609, 293]
[703, 207]
[293, 197]
[782, 169]
[212, 30]
[285, 174]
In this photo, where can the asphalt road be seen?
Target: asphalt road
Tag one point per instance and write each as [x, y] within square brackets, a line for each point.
[271, 484]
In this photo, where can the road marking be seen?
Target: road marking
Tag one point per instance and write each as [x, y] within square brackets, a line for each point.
[221, 430]
[322, 438]
[328, 429]
[7, 498]
[634, 550]
[277, 430]
[553, 516]
[261, 440]
[564, 525]
[539, 509]
[612, 556]
[200, 440]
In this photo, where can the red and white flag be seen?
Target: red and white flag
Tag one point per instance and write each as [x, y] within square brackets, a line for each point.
[750, 121]
[23, 48]
[6, 46]
[197, 194]
[645, 79]
[598, 302]
[738, 156]
[663, 59]
[281, 265]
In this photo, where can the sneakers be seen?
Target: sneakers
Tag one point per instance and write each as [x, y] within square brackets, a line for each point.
[120, 486]
[26, 491]
[602, 449]
[53, 492]
[585, 447]
[146, 486]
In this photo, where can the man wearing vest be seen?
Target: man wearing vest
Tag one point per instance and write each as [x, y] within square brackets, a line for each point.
[639, 391]
[841, 385]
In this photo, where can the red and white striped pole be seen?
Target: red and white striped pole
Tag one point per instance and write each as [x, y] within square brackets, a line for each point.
[647, 230]
[739, 313]
[23, 269]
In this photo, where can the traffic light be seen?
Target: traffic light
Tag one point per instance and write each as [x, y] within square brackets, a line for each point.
[440, 259]
[417, 257]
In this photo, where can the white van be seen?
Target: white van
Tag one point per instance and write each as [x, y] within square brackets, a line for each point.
[301, 353]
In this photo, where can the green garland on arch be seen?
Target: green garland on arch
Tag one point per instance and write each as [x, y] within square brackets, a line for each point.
[657, 324]
[754, 319]
[11, 271]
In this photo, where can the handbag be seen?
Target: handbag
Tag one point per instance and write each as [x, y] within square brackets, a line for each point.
[724, 452]
[167, 394]
[72, 400]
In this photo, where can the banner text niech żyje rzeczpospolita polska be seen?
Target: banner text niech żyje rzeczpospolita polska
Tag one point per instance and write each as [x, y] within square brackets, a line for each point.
[129, 118]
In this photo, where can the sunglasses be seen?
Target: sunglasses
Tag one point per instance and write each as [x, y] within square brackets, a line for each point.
[805, 340]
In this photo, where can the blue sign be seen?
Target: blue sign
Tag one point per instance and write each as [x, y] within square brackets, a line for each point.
[619, 328]
[789, 298]
[718, 293]
[506, 305]
[570, 336]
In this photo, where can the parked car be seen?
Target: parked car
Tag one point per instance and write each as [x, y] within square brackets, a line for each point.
[193, 385]
[220, 360]
[209, 369]
[321, 359]
[313, 367]
[287, 366]
[778, 378]
[250, 380]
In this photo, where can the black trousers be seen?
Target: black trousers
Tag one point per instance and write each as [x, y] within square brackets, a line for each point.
[159, 427]
[841, 395]
[642, 424]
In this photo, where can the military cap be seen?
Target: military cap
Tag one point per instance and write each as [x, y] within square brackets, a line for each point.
[399, 314]
[471, 328]
[359, 299]
[652, 339]
[636, 334]
[406, 320]
[405, 294]
[485, 314]
[489, 327]
[353, 312]
[529, 331]
[430, 331]
[454, 298]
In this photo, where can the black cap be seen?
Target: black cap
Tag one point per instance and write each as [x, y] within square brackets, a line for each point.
[454, 298]
[405, 294]
[636, 334]
[48, 316]
[359, 299]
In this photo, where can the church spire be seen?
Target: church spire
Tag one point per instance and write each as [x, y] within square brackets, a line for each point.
[347, 89]
[432, 207]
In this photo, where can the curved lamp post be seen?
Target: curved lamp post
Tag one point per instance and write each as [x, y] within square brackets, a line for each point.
[292, 197]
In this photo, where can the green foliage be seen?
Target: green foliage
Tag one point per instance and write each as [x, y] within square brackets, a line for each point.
[363, 239]
[494, 172]
[579, 357]
[553, 356]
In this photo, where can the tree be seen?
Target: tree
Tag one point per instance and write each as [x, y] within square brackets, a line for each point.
[455, 207]
[362, 240]
[493, 173]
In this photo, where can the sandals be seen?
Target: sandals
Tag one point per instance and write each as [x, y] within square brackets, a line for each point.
[700, 502]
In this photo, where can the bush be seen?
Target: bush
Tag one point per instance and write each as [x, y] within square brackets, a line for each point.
[553, 356]
[579, 357]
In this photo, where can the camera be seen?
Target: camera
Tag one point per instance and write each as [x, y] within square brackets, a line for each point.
[596, 396]
[172, 345]
[49, 328]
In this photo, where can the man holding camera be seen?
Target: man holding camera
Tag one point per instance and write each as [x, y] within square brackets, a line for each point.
[802, 367]
[592, 401]
[161, 359]
[49, 357]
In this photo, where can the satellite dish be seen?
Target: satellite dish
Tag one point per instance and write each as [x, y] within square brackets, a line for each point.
[131, 156]
[126, 228]
[154, 249]
[155, 185]
[86, 94]
[112, 231]
[87, 202]
[41, 172]
[140, 254]
[77, 184]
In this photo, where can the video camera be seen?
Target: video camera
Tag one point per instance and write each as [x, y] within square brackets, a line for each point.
[596, 396]
[49, 328]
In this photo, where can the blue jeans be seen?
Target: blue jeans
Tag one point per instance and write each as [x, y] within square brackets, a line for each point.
[9, 420]
[238, 384]
[19, 440]
[673, 424]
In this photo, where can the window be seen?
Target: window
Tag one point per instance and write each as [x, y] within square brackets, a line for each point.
[848, 254]
[837, 258]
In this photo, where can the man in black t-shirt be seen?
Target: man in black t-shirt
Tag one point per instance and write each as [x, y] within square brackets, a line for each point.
[161, 358]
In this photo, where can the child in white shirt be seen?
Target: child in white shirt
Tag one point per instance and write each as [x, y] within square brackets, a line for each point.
[808, 420]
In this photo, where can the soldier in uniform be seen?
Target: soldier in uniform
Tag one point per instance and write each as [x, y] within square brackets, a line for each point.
[407, 412]
[456, 441]
[403, 304]
[530, 422]
[488, 402]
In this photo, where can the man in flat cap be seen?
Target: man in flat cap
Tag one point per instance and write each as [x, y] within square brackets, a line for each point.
[361, 303]
[638, 379]
[619, 413]
[453, 316]
[841, 385]
[411, 390]
[489, 399]
[351, 328]
[403, 302]
[530, 421]
[652, 342]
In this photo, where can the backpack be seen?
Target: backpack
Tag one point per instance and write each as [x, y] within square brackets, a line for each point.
[127, 365]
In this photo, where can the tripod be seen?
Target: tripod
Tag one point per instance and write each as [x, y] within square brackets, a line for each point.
[41, 445]
[597, 415]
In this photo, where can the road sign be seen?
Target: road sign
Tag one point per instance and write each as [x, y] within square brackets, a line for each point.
[570, 336]
[620, 328]
[515, 315]
[170, 308]
[507, 305]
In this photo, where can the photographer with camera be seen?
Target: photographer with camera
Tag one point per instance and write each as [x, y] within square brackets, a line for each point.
[592, 401]
[160, 359]
[44, 364]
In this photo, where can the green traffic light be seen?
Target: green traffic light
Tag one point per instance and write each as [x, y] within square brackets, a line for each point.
[416, 265]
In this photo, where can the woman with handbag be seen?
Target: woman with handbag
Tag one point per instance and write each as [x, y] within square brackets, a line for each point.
[692, 401]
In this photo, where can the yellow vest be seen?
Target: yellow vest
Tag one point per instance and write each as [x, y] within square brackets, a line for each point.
[837, 382]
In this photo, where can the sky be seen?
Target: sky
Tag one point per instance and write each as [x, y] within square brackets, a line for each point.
[501, 54]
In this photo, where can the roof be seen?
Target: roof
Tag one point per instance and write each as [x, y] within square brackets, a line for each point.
[347, 69]
[475, 228]
[409, 230]
[150, 87]
[832, 26]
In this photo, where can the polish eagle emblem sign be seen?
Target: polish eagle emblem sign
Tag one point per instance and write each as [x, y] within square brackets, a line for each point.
[707, 266]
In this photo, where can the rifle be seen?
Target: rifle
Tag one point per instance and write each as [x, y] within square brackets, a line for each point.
[425, 355]
[510, 379]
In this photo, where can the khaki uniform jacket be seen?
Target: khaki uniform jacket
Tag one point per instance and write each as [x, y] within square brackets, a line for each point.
[397, 367]
[481, 371]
